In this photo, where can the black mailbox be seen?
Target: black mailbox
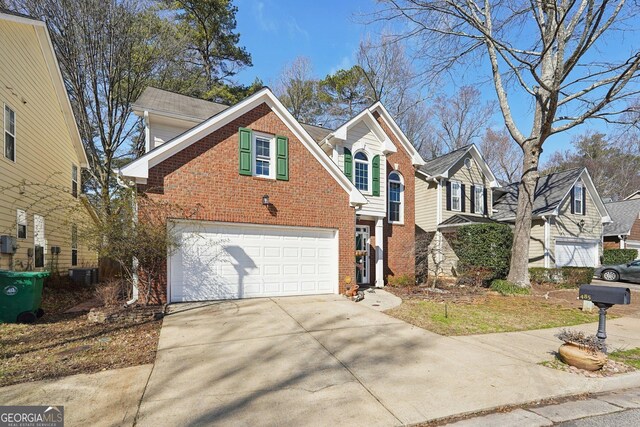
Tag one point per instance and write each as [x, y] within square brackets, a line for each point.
[605, 294]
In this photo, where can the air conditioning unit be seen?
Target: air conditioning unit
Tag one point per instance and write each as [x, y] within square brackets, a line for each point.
[8, 245]
[55, 250]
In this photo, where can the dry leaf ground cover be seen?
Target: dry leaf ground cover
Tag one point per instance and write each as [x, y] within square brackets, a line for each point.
[61, 344]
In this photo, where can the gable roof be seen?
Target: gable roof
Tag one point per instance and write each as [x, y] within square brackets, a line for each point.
[139, 168]
[634, 195]
[440, 166]
[551, 190]
[623, 215]
[171, 104]
[416, 158]
[366, 117]
[461, 219]
[53, 68]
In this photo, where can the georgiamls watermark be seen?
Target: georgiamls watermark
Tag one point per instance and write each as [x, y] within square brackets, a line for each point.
[31, 416]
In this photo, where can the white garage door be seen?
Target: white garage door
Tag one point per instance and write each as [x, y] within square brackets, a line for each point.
[577, 254]
[226, 261]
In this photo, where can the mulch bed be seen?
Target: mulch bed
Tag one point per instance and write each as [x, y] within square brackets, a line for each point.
[61, 344]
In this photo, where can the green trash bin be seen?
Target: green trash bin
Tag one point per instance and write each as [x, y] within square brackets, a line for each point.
[21, 295]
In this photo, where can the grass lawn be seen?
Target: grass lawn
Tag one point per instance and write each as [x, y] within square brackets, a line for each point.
[631, 357]
[492, 313]
[61, 344]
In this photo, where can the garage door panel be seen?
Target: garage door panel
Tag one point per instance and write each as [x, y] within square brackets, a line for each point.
[576, 254]
[228, 261]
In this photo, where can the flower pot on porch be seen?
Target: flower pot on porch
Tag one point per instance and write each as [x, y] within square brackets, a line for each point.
[581, 357]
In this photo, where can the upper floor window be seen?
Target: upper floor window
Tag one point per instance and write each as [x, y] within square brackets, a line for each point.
[362, 171]
[456, 196]
[74, 245]
[74, 180]
[263, 159]
[478, 200]
[396, 197]
[22, 224]
[578, 199]
[9, 133]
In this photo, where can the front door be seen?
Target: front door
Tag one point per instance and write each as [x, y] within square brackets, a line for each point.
[362, 252]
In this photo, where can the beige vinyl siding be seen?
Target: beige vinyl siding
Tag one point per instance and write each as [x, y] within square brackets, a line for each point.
[426, 203]
[566, 224]
[39, 181]
[536, 244]
[165, 129]
[468, 177]
[361, 137]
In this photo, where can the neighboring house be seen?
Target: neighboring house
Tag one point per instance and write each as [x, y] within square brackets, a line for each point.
[567, 219]
[633, 196]
[452, 190]
[624, 230]
[278, 207]
[41, 209]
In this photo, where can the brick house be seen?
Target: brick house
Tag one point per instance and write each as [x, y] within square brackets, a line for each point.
[277, 207]
[624, 230]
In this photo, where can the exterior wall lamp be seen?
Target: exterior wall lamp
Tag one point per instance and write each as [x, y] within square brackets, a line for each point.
[265, 200]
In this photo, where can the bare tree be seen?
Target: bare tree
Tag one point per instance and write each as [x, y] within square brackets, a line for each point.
[297, 90]
[458, 120]
[502, 154]
[392, 79]
[549, 52]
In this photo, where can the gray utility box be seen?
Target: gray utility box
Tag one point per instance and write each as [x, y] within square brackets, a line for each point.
[8, 245]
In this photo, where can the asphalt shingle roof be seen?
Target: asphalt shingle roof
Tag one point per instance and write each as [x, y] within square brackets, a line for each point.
[441, 164]
[623, 215]
[176, 104]
[460, 219]
[550, 191]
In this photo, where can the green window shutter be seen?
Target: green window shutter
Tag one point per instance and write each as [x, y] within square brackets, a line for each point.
[375, 178]
[282, 158]
[348, 163]
[244, 150]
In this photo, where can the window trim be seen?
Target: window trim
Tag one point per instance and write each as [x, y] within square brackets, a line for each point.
[459, 196]
[479, 202]
[6, 131]
[369, 189]
[578, 202]
[74, 245]
[272, 154]
[75, 188]
[399, 180]
[18, 224]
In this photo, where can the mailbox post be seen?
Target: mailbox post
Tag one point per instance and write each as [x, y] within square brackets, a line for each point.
[604, 297]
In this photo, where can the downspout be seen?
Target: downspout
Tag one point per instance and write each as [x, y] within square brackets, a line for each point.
[547, 235]
[134, 263]
[621, 238]
[439, 218]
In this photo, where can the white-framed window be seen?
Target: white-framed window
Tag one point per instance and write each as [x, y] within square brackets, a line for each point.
[478, 201]
[21, 224]
[39, 241]
[9, 133]
[74, 245]
[361, 175]
[74, 181]
[264, 152]
[578, 195]
[456, 196]
[396, 198]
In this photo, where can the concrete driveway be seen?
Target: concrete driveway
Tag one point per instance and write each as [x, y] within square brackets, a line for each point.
[328, 361]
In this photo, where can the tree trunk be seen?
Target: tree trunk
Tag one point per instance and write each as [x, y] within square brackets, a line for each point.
[519, 267]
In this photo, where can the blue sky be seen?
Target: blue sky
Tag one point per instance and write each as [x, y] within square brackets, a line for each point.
[328, 32]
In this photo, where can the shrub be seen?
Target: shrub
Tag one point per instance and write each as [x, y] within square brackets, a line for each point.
[110, 293]
[618, 256]
[564, 276]
[402, 281]
[504, 287]
[476, 276]
[486, 246]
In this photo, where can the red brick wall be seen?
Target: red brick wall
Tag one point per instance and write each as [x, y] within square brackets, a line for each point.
[400, 238]
[205, 177]
[634, 234]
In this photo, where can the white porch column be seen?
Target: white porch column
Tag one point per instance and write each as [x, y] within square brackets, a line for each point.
[379, 253]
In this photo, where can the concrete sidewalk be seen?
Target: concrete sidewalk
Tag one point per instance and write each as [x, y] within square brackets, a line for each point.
[328, 361]
[105, 399]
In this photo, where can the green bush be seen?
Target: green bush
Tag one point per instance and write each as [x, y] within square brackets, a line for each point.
[618, 256]
[504, 287]
[484, 246]
[564, 276]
